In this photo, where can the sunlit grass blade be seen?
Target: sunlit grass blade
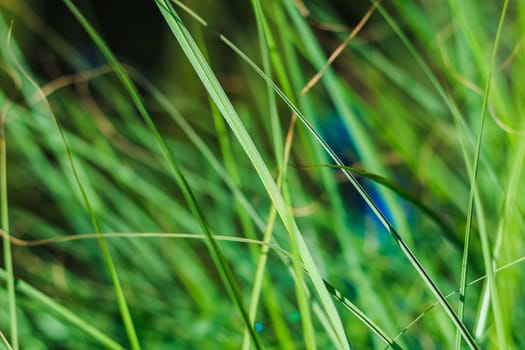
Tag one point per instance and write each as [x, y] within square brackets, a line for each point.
[4, 340]
[465, 136]
[282, 157]
[285, 83]
[398, 239]
[221, 100]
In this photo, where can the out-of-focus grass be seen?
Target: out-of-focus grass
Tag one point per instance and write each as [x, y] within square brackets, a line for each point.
[404, 101]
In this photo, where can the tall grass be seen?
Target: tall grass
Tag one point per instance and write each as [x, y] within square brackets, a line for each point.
[220, 195]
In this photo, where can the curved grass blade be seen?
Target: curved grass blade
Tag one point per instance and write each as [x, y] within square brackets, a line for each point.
[474, 198]
[223, 103]
[427, 279]
[231, 182]
[179, 119]
[175, 114]
[165, 235]
[342, 99]
[179, 235]
[447, 229]
[6, 343]
[219, 259]
[362, 316]
[121, 299]
[293, 76]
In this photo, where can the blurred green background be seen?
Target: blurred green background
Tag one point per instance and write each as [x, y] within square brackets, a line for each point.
[404, 101]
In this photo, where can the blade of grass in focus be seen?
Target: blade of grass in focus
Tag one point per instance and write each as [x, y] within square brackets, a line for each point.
[224, 105]
[403, 246]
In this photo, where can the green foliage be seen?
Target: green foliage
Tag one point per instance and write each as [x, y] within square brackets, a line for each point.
[215, 179]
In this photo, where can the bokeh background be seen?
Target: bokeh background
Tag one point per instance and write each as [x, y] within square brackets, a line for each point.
[402, 104]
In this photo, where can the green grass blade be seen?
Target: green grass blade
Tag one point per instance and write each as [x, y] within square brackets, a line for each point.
[398, 239]
[457, 291]
[498, 318]
[507, 227]
[302, 296]
[281, 156]
[465, 136]
[221, 100]
[220, 261]
[13, 54]
[227, 176]
[343, 102]
[362, 317]
[121, 299]
[8, 258]
[262, 30]
[381, 180]
[376, 305]
[4, 218]
[193, 140]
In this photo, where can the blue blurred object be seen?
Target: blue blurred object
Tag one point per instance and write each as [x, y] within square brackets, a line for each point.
[335, 133]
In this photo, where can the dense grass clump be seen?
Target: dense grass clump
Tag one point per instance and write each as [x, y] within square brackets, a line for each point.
[271, 174]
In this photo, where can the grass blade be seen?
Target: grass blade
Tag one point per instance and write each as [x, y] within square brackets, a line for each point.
[381, 180]
[214, 89]
[398, 239]
[492, 288]
[220, 261]
[4, 218]
[282, 156]
[121, 299]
